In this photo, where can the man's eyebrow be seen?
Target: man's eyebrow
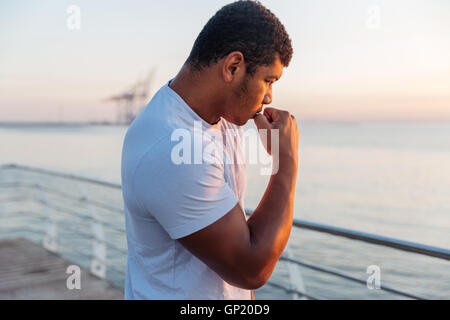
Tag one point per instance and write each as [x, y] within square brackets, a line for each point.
[273, 77]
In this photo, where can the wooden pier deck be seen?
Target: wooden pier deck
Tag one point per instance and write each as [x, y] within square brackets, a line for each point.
[29, 271]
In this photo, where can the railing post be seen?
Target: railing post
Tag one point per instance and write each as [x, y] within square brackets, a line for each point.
[1, 182]
[50, 240]
[98, 262]
[295, 276]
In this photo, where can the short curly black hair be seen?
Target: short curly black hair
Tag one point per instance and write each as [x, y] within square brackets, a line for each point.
[245, 26]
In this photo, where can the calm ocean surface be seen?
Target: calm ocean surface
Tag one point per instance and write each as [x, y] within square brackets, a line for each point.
[391, 179]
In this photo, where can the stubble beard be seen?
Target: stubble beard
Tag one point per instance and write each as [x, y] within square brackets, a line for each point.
[241, 93]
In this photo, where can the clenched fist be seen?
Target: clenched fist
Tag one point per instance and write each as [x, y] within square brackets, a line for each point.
[288, 134]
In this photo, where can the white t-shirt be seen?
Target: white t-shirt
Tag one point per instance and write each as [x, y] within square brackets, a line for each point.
[170, 191]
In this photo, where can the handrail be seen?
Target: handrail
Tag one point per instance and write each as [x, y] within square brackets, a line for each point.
[373, 238]
[65, 195]
[403, 245]
[62, 175]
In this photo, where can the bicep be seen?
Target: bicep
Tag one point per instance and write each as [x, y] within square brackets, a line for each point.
[224, 246]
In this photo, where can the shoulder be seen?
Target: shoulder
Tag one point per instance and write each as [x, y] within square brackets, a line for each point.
[183, 153]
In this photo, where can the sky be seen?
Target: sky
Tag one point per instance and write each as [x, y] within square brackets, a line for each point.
[354, 60]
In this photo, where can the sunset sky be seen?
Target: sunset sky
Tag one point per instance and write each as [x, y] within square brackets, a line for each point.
[353, 60]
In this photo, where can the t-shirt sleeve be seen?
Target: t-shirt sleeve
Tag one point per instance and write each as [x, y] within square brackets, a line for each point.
[183, 198]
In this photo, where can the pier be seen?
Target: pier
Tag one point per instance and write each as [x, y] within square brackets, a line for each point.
[29, 271]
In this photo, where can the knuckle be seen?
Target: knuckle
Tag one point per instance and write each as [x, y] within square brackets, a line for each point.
[284, 114]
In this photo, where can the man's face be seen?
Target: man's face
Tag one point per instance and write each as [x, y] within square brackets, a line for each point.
[253, 92]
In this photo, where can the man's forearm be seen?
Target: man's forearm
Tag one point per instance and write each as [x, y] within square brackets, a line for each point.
[271, 222]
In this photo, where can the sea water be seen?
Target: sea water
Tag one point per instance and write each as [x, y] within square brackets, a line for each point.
[389, 179]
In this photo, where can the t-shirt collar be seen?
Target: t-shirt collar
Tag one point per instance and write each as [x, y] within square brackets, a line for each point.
[190, 110]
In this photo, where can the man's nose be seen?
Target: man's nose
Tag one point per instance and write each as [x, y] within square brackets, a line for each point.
[268, 96]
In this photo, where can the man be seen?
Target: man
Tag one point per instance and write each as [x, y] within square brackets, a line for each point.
[186, 229]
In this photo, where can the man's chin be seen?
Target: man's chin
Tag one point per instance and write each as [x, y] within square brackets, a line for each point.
[238, 122]
[243, 122]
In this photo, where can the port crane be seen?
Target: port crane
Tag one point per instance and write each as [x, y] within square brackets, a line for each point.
[131, 101]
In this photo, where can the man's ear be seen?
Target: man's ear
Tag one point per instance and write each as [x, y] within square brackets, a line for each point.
[233, 64]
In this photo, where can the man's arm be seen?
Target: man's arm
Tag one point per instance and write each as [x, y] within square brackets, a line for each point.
[244, 253]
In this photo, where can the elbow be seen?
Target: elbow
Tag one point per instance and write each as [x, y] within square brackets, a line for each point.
[258, 270]
[255, 272]
[257, 282]
[250, 279]
[249, 271]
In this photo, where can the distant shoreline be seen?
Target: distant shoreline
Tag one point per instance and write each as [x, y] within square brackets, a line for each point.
[306, 121]
[58, 124]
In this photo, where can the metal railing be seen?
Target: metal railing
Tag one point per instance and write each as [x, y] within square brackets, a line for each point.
[92, 204]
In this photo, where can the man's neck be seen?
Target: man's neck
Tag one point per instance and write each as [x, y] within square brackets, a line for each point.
[196, 90]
